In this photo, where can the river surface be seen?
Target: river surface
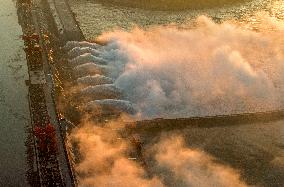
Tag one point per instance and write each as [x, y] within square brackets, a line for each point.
[95, 18]
[14, 111]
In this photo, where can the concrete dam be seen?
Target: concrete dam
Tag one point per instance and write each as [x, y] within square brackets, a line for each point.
[51, 33]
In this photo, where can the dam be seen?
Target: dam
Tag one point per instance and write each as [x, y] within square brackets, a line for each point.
[52, 37]
[48, 159]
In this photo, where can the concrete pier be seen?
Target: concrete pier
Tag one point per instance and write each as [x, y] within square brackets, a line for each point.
[70, 27]
[207, 121]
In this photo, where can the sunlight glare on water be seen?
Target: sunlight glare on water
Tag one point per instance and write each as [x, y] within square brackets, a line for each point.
[95, 18]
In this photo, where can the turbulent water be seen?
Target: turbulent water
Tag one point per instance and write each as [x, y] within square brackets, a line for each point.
[138, 58]
[180, 64]
[226, 69]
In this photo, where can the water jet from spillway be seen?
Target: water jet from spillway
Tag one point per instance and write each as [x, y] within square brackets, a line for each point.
[94, 80]
[72, 44]
[86, 58]
[78, 51]
[105, 91]
[110, 106]
[90, 69]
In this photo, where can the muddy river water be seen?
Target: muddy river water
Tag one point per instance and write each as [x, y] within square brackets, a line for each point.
[14, 111]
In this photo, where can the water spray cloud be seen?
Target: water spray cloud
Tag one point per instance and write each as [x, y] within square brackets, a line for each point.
[210, 69]
[192, 167]
[171, 72]
[105, 162]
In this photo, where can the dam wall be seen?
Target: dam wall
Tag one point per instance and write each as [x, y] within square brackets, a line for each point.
[65, 21]
[206, 121]
[46, 25]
